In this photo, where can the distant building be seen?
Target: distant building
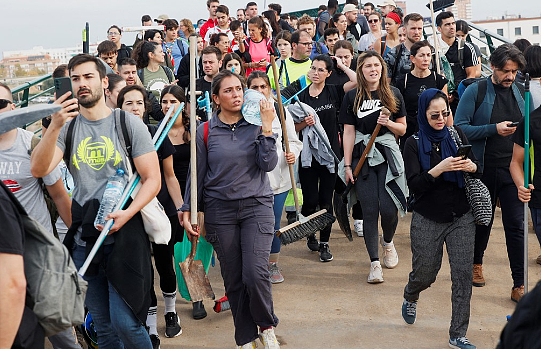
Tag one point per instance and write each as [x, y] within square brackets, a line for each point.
[61, 54]
[28, 65]
[402, 5]
[461, 9]
[513, 28]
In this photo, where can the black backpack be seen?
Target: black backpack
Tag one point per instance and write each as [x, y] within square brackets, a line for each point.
[167, 71]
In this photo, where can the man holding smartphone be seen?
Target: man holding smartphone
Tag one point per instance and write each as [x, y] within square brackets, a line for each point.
[120, 278]
[488, 113]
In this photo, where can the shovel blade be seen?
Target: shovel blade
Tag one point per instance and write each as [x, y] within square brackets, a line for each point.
[341, 213]
[197, 281]
[20, 117]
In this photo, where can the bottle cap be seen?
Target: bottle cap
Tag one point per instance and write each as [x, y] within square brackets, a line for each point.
[120, 172]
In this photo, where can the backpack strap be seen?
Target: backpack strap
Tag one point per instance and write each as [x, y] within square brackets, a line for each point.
[461, 53]
[69, 141]
[123, 135]
[206, 134]
[140, 74]
[180, 45]
[396, 60]
[383, 39]
[168, 72]
[319, 50]
[481, 92]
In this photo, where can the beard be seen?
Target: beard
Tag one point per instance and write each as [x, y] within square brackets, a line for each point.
[91, 99]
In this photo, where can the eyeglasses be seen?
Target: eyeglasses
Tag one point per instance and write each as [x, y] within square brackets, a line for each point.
[373, 20]
[318, 70]
[4, 103]
[113, 34]
[306, 43]
[436, 116]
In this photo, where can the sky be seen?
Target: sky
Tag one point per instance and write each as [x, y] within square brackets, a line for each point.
[59, 23]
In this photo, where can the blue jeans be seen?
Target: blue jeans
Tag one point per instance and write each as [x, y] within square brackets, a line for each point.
[278, 207]
[114, 321]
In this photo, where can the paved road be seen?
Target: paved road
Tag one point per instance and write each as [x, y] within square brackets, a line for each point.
[331, 306]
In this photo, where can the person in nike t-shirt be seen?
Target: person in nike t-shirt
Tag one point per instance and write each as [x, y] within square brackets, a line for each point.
[361, 111]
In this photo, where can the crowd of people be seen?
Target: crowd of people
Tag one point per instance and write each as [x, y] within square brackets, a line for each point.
[372, 79]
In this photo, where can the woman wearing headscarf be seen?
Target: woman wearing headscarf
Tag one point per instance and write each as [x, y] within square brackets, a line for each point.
[441, 212]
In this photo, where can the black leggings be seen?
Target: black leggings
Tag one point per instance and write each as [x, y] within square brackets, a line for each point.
[163, 259]
[317, 190]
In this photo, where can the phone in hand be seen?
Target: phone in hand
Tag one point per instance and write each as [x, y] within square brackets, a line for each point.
[63, 86]
[513, 124]
[463, 151]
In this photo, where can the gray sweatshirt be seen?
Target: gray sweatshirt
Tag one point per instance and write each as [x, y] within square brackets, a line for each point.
[233, 165]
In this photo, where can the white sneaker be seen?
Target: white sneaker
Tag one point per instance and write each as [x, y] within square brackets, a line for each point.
[251, 345]
[376, 274]
[268, 338]
[390, 257]
[358, 225]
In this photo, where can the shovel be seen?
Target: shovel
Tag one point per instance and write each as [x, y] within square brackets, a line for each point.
[193, 272]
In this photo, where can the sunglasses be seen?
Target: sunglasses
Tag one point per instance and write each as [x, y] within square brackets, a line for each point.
[373, 20]
[4, 103]
[436, 116]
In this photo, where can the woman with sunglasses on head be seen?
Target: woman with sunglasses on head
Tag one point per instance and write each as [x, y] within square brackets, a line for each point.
[279, 177]
[441, 212]
[366, 42]
[382, 172]
[233, 160]
[415, 82]
[133, 99]
[386, 42]
[318, 179]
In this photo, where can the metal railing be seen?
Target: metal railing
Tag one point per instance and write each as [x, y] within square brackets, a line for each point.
[25, 98]
[486, 40]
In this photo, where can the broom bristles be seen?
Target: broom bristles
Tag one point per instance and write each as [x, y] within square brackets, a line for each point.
[297, 231]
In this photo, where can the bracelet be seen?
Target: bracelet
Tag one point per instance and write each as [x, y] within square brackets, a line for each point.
[266, 131]
[179, 209]
[347, 166]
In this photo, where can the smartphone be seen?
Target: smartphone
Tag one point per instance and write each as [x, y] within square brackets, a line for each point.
[463, 151]
[62, 86]
[513, 124]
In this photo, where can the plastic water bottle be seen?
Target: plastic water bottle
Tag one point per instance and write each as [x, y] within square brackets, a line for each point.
[111, 197]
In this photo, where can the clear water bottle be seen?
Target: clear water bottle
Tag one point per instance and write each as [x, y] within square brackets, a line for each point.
[111, 197]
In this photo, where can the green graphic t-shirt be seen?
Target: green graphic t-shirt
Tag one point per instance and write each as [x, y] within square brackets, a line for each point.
[155, 81]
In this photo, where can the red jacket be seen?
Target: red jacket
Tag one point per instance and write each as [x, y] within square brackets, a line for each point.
[206, 26]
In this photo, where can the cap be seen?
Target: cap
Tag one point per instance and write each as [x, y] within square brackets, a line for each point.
[161, 18]
[349, 8]
[387, 2]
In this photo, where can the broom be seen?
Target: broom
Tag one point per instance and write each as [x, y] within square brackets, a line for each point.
[362, 160]
[292, 90]
[305, 225]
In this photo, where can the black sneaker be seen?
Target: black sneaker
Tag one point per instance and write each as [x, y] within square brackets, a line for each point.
[172, 325]
[199, 311]
[324, 253]
[291, 217]
[155, 340]
[312, 243]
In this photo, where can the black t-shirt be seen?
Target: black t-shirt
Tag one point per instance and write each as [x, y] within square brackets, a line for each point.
[181, 164]
[164, 151]
[365, 119]
[469, 59]
[535, 141]
[201, 85]
[327, 106]
[411, 87]
[499, 149]
[12, 232]
[352, 28]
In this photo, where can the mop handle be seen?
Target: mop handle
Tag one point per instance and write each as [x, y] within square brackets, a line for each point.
[127, 193]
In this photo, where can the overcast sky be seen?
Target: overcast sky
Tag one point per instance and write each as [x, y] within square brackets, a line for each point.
[59, 23]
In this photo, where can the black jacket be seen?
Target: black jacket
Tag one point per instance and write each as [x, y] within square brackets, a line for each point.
[183, 72]
[123, 52]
